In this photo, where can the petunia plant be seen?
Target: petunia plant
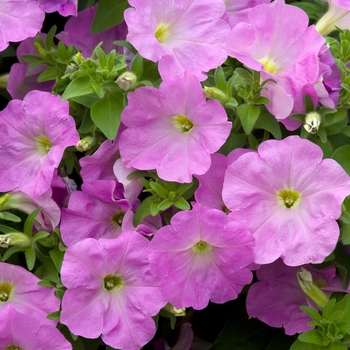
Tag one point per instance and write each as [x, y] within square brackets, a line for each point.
[174, 174]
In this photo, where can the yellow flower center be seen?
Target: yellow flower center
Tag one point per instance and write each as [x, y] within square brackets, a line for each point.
[113, 283]
[6, 291]
[43, 144]
[269, 65]
[117, 218]
[182, 123]
[201, 247]
[162, 32]
[289, 198]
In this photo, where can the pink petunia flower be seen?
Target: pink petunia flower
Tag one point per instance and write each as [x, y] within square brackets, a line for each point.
[20, 19]
[33, 136]
[77, 32]
[278, 43]
[276, 298]
[19, 288]
[64, 7]
[19, 331]
[201, 256]
[172, 129]
[110, 291]
[338, 14]
[289, 199]
[182, 35]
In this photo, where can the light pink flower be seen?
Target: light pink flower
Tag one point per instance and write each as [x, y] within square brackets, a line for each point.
[278, 43]
[19, 288]
[181, 35]
[202, 255]
[276, 298]
[33, 136]
[172, 129]
[289, 199]
[20, 331]
[64, 7]
[110, 291]
[20, 19]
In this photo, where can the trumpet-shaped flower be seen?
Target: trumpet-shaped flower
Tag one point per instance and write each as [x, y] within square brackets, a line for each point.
[338, 15]
[64, 7]
[172, 129]
[202, 255]
[110, 291]
[276, 298]
[33, 136]
[19, 288]
[180, 35]
[289, 199]
[20, 19]
[278, 43]
[19, 331]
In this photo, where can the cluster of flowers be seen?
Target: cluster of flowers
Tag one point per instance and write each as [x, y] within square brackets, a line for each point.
[272, 209]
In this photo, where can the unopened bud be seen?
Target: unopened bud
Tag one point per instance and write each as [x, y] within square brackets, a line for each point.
[85, 143]
[310, 289]
[71, 68]
[40, 49]
[78, 58]
[126, 81]
[215, 94]
[14, 238]
[312, 122]
[177, 312]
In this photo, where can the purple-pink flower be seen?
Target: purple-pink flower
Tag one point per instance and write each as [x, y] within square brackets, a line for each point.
[64, 7]
[22, 331]
[289, 198]
[278, 43]
[110, 291]
[172, 129]
[20, 19]
[33, 136]
[201, 256]
[182, 35]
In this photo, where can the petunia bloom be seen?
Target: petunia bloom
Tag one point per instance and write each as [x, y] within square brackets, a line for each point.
[338, 15]
[20, 19]
[19, 288]
[278, 43]
[20, 331]
[172, 129]
[275, 299]
[110, 291]
[33, 136]
[64, 7]
[201, 256]
[182, 35]
[289, 199]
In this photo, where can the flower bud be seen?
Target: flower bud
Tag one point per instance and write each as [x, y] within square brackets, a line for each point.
[310, 289]
[126, 81]
[173, 310]
[85, 143]
[15, 238]
[215, 94]
[312, 122]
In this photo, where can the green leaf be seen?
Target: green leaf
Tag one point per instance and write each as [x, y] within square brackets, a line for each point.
[165, 204]
[48, 270]
[7, 229]
[54, 315]
[46, 283]
[28, 224]
[334, 118]
[109, 13]
[182, 204]
[30, 258]
[248, 114]
[40, 235]
[219, 78]
[345, 234]
[106, 113]
[10, 251]
[57, 258]
[78, 87]
[268, 122]
[9, 217]
[50, 73]
[313, 337]
[143, 210]
[299, 345]
[342, 156]
[159, 190]
[137, 66]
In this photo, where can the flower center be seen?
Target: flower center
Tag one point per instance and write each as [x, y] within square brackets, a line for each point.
[113, 282]
[288, 198]
[6, 291]
[43, 144]
[162, 32]
[269, 65]
[13, 347]
[182, 123]
[117, 218]
[201, 247]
